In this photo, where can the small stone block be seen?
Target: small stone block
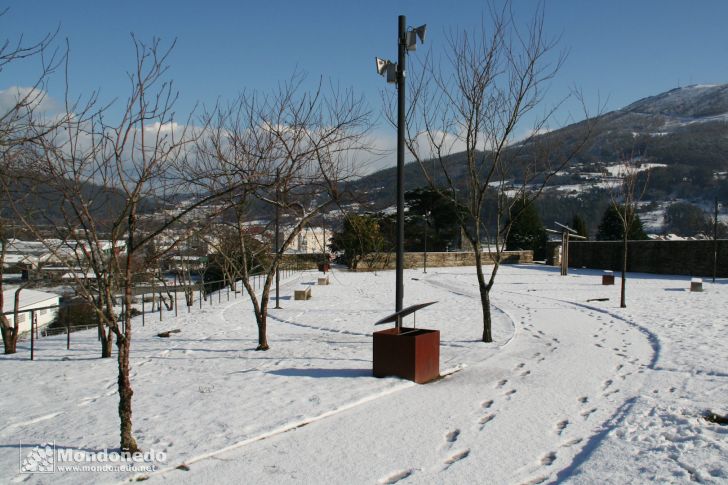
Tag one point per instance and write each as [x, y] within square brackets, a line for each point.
[696, 284]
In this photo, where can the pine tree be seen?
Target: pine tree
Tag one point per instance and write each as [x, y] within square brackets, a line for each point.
[527, 231]
[579, 225]
[612, 228]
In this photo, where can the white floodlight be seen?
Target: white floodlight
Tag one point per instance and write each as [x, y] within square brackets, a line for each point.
[411, 37]
[392, 72]
[382, 66]
[420, 31]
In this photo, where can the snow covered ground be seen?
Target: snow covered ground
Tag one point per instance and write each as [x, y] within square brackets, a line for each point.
[572, 390]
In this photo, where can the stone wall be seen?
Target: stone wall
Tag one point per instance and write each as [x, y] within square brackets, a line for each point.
[434, 260]
[692, 258]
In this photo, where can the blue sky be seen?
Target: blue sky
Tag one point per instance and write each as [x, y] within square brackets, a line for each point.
[618, 50]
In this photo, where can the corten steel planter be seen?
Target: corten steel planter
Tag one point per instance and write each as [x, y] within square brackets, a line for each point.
[608, 278]
[409, 353]
[324, 267]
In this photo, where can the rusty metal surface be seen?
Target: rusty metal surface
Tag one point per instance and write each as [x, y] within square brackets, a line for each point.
[412, 354]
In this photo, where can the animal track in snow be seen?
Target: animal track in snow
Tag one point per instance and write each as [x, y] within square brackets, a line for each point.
[524, 373]
[510, 392]
[583, 399]
[561, 426]
[606, 384]
[452, 436]
[521, 365]
[501, 383]
[486, 404]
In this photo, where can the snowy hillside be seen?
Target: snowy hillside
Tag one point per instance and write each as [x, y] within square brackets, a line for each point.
[573, 390]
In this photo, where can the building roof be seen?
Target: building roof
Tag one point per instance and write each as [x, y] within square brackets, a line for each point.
[27, 298]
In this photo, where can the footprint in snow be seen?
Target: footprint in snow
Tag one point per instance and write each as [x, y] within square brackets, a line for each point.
[521, 365]
[573, 442]
[585, 414]
[396, 477]
[501, 383]
[452, 436]
[485, 420]
[548, 459]
[606, 384]
[583, 399]
[509, 393]
[525, 373]
[460, 455]
[535, 481]
[486, 404]
[561, 426]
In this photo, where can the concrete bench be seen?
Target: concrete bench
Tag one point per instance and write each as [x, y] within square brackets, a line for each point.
[696, 284]
[608, 278]
[302, 294]
[323, 281]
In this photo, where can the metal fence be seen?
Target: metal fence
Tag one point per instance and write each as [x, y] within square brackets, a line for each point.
[163, 298]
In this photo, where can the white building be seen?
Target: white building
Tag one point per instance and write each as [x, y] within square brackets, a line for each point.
[30, 299]
[311, 240]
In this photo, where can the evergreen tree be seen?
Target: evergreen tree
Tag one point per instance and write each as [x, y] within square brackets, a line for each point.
[579, 225]
[527, 231]
[360, 236]
[685, 219]
[612, 229]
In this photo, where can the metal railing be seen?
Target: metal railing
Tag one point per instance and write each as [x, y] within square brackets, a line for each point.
[201, 291]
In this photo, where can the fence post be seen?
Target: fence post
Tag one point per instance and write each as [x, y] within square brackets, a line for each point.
[68, 334]
[160, 307]
[143, 311]
[32, 335]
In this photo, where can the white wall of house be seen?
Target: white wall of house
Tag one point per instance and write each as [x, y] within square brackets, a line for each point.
[30, 299]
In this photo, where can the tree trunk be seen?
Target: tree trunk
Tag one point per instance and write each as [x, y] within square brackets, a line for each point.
[484, 298]
[125, 393]
[10, 336]
[262, 318]
[623, 299]
[107, 344]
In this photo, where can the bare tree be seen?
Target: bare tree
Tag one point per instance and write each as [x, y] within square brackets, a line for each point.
[21, 122]
[286, 152]
[625, 197]
[107, 173]
[463, 129]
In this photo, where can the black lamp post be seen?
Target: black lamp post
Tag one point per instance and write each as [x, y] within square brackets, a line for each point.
[406, 40]
[427, 223]
[277, 245]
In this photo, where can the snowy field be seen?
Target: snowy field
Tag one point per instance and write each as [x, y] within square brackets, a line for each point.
[572, 390]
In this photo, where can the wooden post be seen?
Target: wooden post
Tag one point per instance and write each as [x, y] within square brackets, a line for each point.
[160, 307]
[68, 334]
[143, 311]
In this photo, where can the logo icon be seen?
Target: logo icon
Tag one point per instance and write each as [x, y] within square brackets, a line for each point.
[40, 459]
